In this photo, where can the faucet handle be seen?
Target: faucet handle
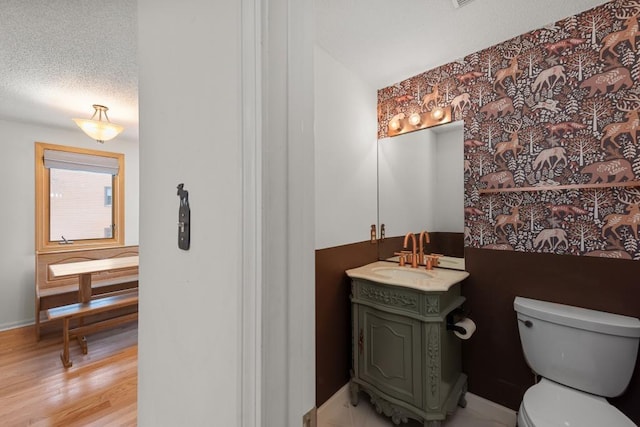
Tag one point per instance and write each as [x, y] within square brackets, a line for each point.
[432, 260]
[401, 256]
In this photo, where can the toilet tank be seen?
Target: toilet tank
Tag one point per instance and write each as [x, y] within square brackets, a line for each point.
[585, 349]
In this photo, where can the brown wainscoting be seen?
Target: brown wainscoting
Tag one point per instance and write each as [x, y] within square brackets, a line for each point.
[450, 244]
[493, 357]
[333, 318]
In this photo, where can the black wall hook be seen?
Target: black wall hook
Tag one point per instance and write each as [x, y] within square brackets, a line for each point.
[184, 219]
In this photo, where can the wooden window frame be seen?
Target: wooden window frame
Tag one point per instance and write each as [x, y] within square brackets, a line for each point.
[42, 177]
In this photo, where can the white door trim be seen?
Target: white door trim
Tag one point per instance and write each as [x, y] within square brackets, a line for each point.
[286, 291]
[251, 292]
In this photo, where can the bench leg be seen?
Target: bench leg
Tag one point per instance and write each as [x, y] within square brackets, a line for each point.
[82, 340]
[64, 356]
[37, 311]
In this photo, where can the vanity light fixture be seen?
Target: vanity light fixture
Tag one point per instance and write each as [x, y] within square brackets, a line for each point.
[415, 119]
[400, 123]
[100, 130]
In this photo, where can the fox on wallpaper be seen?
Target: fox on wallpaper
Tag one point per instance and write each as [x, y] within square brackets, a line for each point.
[555, 107]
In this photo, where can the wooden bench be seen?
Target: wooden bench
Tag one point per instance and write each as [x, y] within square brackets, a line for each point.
[119, 300]
[55, 292]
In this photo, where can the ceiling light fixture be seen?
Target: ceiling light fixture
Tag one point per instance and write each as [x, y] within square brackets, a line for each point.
[99, 130]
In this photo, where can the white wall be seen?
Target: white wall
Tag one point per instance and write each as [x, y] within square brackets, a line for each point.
[17, 263]
[190, 132]
[345, 154]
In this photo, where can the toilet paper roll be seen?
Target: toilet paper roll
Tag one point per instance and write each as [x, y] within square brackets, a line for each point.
[468, 325]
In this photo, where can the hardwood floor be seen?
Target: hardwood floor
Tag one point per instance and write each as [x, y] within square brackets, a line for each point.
[100, 389]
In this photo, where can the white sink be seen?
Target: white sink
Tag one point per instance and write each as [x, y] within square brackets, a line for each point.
[403, 273]
[438, 279]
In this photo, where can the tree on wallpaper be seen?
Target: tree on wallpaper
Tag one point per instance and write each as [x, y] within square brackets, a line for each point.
[554, 107]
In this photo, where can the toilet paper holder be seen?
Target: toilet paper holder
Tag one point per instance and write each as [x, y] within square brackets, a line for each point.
[454, 317]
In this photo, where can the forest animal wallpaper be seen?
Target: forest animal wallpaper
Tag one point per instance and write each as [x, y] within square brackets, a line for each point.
[556, 107]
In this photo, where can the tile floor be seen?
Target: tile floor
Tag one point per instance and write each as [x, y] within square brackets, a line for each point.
[338, 412]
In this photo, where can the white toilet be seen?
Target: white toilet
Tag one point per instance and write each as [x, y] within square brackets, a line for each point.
[582, 356]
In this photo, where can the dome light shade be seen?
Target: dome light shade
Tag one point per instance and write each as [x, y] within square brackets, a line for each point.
[100, 130]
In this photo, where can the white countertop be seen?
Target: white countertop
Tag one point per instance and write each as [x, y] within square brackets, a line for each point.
[389, 273]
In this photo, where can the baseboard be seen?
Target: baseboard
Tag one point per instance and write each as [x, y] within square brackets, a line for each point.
[491, 410]
[486, 408]
[15, 325]
[338, 398]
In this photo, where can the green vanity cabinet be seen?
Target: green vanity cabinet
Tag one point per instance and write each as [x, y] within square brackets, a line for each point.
[403, 356]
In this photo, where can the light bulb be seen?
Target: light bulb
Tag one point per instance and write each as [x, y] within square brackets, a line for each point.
[437, 113]
[415, 119]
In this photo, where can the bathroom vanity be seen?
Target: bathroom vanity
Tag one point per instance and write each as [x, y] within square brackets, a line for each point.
[403, 355]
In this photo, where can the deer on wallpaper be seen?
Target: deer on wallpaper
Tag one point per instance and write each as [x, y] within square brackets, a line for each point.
[629, 33]
[552, 237]
[431, 97]
[548, 78]
[459, 102]
[513, 145]
[631, 219]
[511, 71]
[630, 127]
[550, 157]
[513, 218]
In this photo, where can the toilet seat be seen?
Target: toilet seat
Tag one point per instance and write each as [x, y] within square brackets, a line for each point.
[549, 404]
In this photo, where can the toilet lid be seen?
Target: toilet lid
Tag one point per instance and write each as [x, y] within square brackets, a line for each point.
[548, 404]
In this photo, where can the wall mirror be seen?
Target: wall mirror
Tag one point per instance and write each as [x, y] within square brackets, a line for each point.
[421, 188]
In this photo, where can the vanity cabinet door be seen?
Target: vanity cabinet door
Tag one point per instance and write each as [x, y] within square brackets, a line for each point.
[390, 354]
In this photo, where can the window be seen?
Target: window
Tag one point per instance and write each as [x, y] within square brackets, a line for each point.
[79, 198]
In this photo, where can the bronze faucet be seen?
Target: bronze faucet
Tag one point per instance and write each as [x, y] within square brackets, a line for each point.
[424, 236]
[414, 255]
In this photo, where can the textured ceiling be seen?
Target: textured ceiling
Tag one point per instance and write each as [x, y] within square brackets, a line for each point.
[58, 57]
